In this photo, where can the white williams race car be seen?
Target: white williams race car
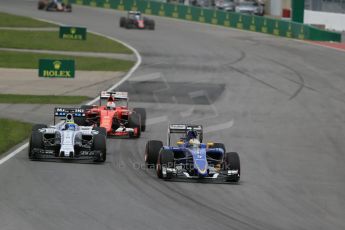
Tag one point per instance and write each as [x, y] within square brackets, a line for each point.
[68, 140]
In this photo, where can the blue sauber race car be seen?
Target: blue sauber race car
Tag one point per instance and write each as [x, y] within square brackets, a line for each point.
[190, 158]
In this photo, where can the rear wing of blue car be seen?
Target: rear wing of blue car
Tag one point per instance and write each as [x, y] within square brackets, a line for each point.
[183, 129]
[68, 113]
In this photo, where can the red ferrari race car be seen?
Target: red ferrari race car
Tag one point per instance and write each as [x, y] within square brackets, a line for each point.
[115, 116]
[54, 5]
[135, 19]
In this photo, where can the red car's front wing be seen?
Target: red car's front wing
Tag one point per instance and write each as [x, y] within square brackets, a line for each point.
[128, 132]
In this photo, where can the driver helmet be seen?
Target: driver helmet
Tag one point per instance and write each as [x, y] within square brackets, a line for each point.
[70, 126]
[137, 16]
[192, 134]
[111, 105]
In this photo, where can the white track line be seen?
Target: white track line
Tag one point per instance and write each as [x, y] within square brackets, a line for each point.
[14, 152]
[128, 75]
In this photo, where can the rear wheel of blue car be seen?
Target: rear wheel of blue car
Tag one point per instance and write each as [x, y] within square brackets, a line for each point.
[152, 152]
[232, 161]
[165, 160]
[219, 145]
[99, 145]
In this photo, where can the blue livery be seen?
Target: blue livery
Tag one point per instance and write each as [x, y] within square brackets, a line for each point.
[190, 158]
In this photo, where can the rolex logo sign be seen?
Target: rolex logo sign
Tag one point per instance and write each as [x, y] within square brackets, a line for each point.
[74, 33]
[57, 65]
[49, 68]
[73, 30]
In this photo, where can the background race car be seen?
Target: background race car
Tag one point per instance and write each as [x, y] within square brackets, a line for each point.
[135, 19]
[58, 6]
[115, 116]
[67, 140]
[192, 159]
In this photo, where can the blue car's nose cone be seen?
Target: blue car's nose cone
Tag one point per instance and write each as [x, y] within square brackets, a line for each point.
[201, 167]
[200, 162]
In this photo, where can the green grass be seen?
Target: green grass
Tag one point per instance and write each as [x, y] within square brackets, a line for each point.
[41, 99]
[49, 40]
[10, 20]
[12, 132]
[11, 59]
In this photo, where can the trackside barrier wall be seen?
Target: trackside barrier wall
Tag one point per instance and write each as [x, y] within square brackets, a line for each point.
[228, 19]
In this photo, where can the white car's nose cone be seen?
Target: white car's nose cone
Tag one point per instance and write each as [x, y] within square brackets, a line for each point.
[67, 143]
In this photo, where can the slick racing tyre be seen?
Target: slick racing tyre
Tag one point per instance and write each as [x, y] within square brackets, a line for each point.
[129, 24]
[142, 113]
[101, 130]
[99, 144]
[36, 142]
[68, 8]
[151, 25]
[122, 22]
[165, 160]
[232, 161]
[41, 5]
[134, 122]
[219, 145]
[152, 152]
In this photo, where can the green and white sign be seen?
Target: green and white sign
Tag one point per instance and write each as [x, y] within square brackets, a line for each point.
[51, 68]
[74, 33]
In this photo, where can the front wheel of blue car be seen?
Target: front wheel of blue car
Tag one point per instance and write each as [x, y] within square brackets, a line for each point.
[165, 162]
[233, 166]
[152, 152]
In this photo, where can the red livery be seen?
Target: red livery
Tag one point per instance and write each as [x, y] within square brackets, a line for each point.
[115, 116]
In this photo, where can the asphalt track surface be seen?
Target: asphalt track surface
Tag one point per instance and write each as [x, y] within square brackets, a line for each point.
[279, 103]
